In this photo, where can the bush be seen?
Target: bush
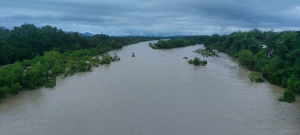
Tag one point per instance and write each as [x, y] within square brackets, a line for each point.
[115, 57]
[196, 61]
[82, 66]
[206, 52]
[255, 77]
[203, 63]
[89, 67]
[288, 96]
[106, 59]
[50, 83]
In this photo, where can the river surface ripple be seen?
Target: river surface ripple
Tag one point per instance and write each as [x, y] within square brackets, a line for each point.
[155, 93]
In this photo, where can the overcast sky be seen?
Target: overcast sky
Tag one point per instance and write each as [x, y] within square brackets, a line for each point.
[153, 17]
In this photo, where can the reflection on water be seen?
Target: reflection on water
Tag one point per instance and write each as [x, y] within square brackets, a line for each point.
[156, 92]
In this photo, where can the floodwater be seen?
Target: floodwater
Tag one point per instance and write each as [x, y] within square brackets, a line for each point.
[155, 93]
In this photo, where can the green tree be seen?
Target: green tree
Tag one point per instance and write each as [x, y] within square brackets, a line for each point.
[36, 76]
[10, 79]
[246, 58]
[2, 61]
[196, 61]
[53, 57]
[261, 54]
[288, 96]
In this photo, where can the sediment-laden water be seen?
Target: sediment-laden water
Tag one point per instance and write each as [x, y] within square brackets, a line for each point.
[155, 93]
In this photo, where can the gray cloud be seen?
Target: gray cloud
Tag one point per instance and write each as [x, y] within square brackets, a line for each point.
[156, 17]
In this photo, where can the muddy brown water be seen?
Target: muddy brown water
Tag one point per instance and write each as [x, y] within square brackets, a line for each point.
[155, 93]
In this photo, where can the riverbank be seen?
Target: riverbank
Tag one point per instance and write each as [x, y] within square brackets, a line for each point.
[43, 70]
[155, 89]
[247, 59]
[282, 67]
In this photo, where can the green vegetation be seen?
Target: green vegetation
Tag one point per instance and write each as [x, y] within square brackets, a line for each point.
[168, 44]
[255, 77]
[43, 70]
[207, 53]
[288, 96]
[279, 63]
[197, 62]
[246, 58]
[39, 55]
[28, 41]
[133, 54]
[280, 68]
[190, 61]
[152, 45]
[185, 57]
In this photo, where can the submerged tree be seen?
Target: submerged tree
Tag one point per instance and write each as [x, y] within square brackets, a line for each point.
[288, 96]
[207, 52]
[255, 77]
[197, 62]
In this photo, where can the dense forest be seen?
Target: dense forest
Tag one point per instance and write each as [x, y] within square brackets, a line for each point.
[35, 56]
[174, 43]
[276, 55]
[28, 41]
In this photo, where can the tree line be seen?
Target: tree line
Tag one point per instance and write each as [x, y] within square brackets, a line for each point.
[28, 41]
[174, 43]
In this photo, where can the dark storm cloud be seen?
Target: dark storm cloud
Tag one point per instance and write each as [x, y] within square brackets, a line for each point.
[168, 17]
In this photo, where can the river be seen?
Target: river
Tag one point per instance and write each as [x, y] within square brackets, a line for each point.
[155, 93]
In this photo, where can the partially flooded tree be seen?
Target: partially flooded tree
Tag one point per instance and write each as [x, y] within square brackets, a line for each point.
[255, 77]
[197, 62]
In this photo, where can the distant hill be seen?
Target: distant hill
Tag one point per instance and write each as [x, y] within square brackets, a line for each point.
[87, 34]
[83, 34]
